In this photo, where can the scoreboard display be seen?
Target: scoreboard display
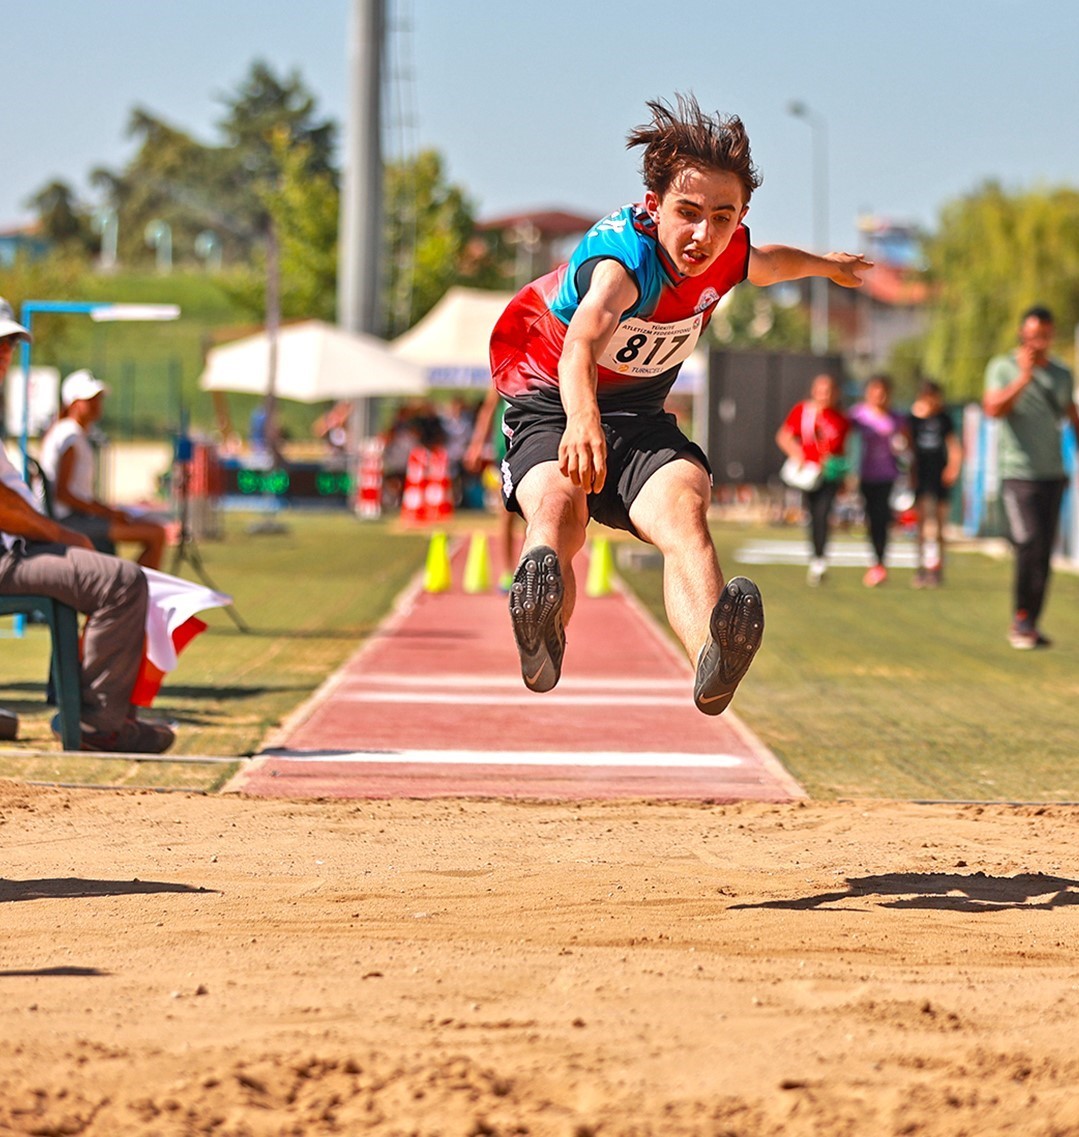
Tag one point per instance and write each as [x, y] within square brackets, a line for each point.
[295, 483]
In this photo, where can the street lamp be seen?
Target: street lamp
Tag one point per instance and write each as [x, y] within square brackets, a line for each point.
[819, 286]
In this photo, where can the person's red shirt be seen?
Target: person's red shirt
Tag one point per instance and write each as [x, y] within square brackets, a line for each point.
[821, 433]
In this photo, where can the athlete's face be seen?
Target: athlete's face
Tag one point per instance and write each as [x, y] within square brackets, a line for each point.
[697, 216]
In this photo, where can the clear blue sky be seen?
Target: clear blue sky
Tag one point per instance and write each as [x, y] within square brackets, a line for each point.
[529, 103]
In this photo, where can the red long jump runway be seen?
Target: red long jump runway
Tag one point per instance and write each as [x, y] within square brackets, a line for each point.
[433, 705]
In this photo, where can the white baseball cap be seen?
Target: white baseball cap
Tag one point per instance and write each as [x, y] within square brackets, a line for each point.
[80, 385]
[9, 326]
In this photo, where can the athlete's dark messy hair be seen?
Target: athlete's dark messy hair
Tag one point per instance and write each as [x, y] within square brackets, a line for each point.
[683, 136]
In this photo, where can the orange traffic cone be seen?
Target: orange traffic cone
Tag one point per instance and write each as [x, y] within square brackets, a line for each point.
[412, 498]
[438, 493]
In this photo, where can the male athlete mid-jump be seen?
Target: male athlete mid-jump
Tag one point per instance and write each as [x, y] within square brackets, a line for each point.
[585, 357]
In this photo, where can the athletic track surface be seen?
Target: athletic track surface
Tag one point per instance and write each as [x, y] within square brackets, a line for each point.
[432, 705]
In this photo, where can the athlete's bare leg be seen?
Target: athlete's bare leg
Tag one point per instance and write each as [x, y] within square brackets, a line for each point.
[720, 625]
[920, 522]
[543, 591]
[556, 515]
[671, 512]
[941, 513]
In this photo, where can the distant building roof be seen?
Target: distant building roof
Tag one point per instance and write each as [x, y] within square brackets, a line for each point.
[550, 223]
[23, 239]
[897, 286]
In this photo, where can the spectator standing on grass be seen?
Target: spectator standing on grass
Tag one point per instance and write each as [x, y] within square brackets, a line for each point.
[884, 441]
[815, 431]
[1032, 394]
[936, 461]
[67, 458]
[39, 556]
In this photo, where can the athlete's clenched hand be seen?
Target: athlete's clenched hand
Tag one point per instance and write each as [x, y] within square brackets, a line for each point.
[582, 453]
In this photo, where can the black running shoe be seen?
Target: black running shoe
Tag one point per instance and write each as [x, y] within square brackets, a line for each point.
[736, 628]
[536, 597]
[135, 736]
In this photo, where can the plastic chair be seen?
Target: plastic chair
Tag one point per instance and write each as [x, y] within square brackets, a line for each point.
[63, 622]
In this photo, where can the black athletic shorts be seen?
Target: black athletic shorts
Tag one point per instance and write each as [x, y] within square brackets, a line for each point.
[638, 444]
[929, 482]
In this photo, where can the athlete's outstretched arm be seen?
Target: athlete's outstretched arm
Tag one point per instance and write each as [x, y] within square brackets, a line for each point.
[582, 454]
[770, 264]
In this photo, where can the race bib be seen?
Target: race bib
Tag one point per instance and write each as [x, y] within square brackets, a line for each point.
[644, 349]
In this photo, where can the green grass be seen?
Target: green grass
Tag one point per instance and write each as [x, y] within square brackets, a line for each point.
[901, 694]
[884, 693]
[309, 595]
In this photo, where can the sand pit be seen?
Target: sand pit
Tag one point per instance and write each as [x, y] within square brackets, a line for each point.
[174, 964]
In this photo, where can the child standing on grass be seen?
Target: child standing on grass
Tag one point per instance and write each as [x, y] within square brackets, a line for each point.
[937, 458]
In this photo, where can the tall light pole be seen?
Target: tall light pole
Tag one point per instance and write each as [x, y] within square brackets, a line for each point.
[359, 303]
[819, 286]
[359, 250]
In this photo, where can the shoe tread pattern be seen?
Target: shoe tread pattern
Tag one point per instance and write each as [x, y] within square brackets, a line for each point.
[535, 601]
[736, 628]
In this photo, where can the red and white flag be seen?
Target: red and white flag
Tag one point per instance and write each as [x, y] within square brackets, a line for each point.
[171, 624]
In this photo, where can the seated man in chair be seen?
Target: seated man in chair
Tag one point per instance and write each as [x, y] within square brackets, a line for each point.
[39, 557]
[68, 462]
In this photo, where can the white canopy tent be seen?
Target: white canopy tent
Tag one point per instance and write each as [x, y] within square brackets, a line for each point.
[452, 342]
[315, 361]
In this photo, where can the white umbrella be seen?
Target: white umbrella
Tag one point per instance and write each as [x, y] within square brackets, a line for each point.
[315, 361]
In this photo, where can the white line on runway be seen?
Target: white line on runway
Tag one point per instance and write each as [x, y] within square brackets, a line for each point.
[567, 683]
[510, 758]
[425, 696]
[839, 554]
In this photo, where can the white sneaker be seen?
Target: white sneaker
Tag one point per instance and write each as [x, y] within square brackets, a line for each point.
[817, 569]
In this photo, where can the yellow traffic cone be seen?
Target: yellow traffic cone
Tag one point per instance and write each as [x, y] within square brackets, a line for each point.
[437, 578]
[600, 568]
[477, 569]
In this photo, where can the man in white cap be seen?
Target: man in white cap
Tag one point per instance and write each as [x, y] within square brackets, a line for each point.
[67, 459]
[40, 557]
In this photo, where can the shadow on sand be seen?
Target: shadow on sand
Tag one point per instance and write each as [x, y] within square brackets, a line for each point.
[954, 892]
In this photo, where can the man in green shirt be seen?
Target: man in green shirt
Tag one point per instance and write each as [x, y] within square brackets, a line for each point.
[1032, 394]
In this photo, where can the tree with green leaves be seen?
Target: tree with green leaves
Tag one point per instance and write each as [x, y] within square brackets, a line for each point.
[172, 179]
[995, 254]
[304, 208]
[62, 219]
[430, 240]
[761, 319]
[268, 192]
[193, 187]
